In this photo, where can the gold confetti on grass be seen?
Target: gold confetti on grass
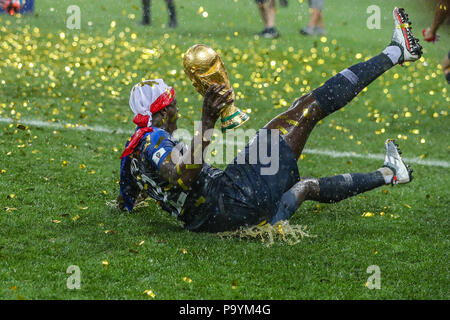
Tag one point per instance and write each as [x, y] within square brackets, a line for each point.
[367, 214]
[282, 231]
[187, 279]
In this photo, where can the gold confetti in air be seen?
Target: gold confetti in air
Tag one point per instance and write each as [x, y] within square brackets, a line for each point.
[282, 231]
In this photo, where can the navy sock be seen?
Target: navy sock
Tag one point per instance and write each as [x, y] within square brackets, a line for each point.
[337, 188]
[343, 87]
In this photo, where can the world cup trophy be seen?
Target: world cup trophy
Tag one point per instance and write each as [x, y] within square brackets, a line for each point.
[204, 67]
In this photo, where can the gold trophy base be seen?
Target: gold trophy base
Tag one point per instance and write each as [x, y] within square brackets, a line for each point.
[232, 117]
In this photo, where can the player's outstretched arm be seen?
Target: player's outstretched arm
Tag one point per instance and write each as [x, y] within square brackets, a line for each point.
[184, 171]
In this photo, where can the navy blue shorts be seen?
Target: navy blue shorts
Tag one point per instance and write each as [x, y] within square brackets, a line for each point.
[248, 193]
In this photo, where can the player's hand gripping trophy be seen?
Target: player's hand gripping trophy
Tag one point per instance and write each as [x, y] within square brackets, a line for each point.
[204, 67]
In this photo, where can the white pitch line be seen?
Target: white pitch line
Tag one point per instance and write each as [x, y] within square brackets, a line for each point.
[321, 152]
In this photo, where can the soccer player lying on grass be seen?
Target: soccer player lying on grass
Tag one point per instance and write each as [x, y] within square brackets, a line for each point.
[213, 200]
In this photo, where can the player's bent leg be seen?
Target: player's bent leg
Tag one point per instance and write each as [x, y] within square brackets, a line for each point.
[340, 187]
[446, 67]
[294, 197]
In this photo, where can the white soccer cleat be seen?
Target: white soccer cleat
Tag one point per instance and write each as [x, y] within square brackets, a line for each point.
[403, 37]
[393, 161]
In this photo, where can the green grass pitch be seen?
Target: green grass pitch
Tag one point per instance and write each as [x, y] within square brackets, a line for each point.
[55, 179]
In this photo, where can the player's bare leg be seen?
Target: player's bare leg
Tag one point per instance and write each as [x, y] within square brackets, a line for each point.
[297, 122]
[340, 187]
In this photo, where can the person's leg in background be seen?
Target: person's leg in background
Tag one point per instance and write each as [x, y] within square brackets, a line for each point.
[267, 10]
[284, 3]
[146, 13]
[298, 121]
